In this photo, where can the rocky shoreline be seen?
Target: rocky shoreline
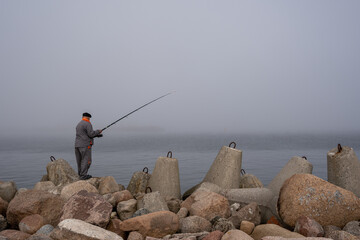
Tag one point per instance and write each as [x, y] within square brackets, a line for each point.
[227, 204]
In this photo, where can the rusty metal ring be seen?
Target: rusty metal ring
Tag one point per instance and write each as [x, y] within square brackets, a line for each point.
[146, 190]
[304, 157]
[232, 143]
[169, 153]
[242, 172]
[147, 170]
[339, 148]
[52, 158]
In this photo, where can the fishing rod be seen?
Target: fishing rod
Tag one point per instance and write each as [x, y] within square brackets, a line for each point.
[135, 110]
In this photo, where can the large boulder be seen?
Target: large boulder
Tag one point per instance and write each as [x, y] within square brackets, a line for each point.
[108, 185]
[194, 224]
[308, 195]
[114, 226]
[126, 209]
[89, 207]
[7, 190]
[250, 212]
[3, 206]
[157, 224]
[11, 234]
[122, 196]
[263, 230]
[236, 234]
[75, 229]
[76, 187]
[30, 224]
[153, 202]
[45, 186]
[46, 204]
[60, 172]
[207, 204]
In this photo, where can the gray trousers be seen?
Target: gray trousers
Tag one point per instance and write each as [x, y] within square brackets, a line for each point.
[83, 159]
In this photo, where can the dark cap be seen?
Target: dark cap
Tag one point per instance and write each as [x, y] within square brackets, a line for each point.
[86, 114]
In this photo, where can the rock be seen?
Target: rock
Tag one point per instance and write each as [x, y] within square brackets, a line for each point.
[3, 223]
[221, 224]
[194, 224]
[207, 186]
[110, 199]
[138, 183]
[46, 204]
[353, 228]
[126, 209]
[121, 187]
[235, 235]
[308, 195]
[263, 230]
[44, 186]
[247, 227]
[122, 196]
[14, 235]
[45, 230]
[308, 227]
[154, 202]
[182, 236]
[207, 205]
[95, 181]
[183, 212]
[157, 224]
[173, 205]
[215, 235]
[88, 207]
[39, 237]
[250, 181]
[330, 228]
[44, 178]
[60, 172]
[250, 212]
[108, 185]
[73, 188]
[21, 190]
[74, 229]
[342, 235]
[303, 238]
[3, 206]
[30, 224]
[7, 190]
[135, 236]
[140, 212]
[114, 226]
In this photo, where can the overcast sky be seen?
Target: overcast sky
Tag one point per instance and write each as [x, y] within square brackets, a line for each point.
[236, 66]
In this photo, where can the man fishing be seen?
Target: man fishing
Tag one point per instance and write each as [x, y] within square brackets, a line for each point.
[83, 143]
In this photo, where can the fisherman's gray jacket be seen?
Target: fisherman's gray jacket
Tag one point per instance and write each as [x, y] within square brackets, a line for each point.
[85, 134]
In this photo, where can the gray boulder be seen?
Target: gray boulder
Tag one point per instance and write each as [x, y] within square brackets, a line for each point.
[60, 172]
[153, 202]
[7, 190]
[75, 187]
[126, 209]
[108, 185]
[353, 228]
[194, 224]
[44, 186]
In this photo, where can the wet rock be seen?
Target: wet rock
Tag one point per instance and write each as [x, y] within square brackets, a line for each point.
[30, 224]
[135, 236]
[157, 224]
[31, 202]
[236, 234]
[250, 212]
[3, 206]
[114, 226]
[207, 205]
[3, 223]
[247, 227]
[74, 229]
[138, 183]
[126, 209]
[140, 212]
[215, 235]
[194, 224]
[88, 207]
[308, 227]
[154, 202]
[7, 190]
[353, 228]
[221, 224]
[308, 195]
[122, 196]
[250, 181]
[263, 230]
[44, 186]
[60, 172]
[73, 188]
[342, 235]
[183, 212]
[14, 235]
[108, 185]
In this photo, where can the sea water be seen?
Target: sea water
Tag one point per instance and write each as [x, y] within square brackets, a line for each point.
[24, 160]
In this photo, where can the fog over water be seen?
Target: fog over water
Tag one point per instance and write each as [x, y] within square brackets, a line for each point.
[236, 66]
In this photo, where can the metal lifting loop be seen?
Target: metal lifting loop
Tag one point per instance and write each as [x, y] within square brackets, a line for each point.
[52, 158]
[169, 153]
[146, 170]
[304, 157]
[232, 143]
[146, 190]
[339, 148]
[242, 172]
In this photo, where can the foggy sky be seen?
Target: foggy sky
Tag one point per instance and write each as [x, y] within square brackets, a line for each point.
[236, 66]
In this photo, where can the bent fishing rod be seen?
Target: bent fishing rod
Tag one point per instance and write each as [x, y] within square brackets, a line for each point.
[135, 110]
